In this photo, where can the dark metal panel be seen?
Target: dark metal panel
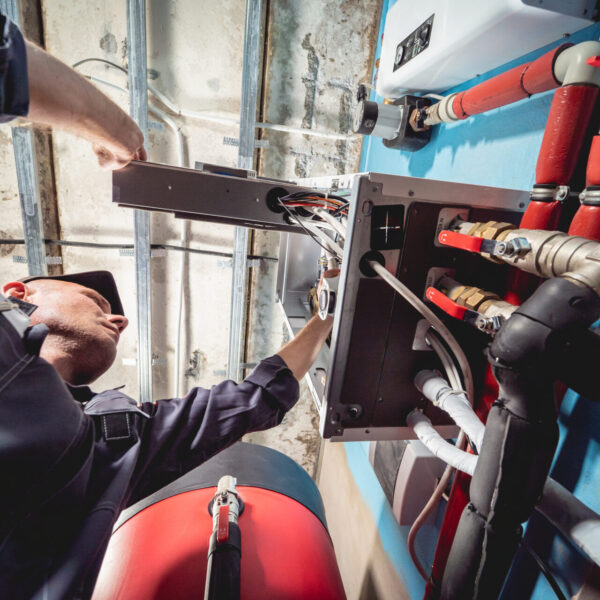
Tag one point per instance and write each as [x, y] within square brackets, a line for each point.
[200, 195]
[373, 361]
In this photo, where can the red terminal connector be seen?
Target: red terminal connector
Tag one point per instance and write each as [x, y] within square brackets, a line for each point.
[460, 240]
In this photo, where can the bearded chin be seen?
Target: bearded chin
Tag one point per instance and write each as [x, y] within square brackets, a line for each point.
[90, 356]
[96, 360]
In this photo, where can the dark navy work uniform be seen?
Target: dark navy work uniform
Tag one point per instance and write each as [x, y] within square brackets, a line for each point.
[71, 460]
[14, 88]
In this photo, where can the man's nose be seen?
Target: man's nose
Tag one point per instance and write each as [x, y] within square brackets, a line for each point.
[119, 320]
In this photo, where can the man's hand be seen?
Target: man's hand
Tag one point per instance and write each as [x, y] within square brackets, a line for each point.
[326, 294]
[117, 157]
[328, 273]
[62, 98]
[301, 352]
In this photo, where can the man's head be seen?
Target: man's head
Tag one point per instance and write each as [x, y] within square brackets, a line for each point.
[84, 332]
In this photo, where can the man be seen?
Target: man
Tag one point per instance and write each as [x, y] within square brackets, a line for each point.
[72, 459]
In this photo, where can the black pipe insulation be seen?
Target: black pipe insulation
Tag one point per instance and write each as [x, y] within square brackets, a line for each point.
[520, 436]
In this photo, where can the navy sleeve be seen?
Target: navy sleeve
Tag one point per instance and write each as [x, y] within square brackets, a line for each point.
[14, 86]
[184, 432]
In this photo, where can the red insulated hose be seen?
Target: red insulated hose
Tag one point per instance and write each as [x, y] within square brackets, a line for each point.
[593, 166]
[569, 116]
[586, 221]
[508, 87]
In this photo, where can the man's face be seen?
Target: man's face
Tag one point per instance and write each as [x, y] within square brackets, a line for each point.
[81, 325]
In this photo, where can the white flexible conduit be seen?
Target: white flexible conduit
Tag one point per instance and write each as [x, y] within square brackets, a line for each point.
[454, 402]
[436, 323]
[438, 446]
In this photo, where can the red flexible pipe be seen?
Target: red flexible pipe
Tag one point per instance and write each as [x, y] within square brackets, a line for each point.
[586, 221]
[569, 116]
[568, 119]
[510, 86]
[593, 166]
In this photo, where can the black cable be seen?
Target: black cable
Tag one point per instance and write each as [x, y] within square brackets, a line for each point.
[544, 569]
[102, 60]
[21, 242]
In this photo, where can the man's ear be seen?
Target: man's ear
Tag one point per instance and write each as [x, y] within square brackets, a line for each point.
[15, 289]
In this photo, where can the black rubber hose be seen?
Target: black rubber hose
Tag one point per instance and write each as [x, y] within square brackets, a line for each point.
[521, 436]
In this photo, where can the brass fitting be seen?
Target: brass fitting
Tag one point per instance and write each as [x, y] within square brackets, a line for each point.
[471, 297]
[486, 303]
[417, 120]
[490, 230]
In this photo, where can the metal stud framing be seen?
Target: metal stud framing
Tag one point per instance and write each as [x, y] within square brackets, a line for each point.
[250, 74]
[29, 195]
[138, 100]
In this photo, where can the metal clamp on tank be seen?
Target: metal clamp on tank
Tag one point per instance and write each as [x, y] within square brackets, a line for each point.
[392, 122]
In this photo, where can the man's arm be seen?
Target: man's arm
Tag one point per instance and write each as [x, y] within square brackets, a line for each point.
[302, 351]
[60, 97]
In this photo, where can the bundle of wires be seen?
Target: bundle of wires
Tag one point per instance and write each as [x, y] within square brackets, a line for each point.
[302, 209]
[335, 204]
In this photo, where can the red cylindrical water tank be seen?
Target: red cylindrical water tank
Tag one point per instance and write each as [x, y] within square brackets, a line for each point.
[160, 546]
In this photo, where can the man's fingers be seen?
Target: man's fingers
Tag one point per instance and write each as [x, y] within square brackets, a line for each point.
[141, 154]
[111, 160]
[331, 273]
[103, 155]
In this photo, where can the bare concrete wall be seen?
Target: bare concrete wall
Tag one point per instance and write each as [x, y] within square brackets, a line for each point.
[316, 53]
[194, 57]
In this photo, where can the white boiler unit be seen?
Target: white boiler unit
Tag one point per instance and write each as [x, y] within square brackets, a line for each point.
[432, 45]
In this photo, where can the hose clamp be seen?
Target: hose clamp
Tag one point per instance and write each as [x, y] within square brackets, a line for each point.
[549, 192]
[590, 196]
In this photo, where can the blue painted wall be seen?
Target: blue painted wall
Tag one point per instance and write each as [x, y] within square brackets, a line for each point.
[499, 148]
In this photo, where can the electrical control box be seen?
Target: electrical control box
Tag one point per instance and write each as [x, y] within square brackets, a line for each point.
[362, 380]
[432, 45]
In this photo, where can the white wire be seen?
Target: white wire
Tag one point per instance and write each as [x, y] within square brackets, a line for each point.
[214, 118]
[435, 322]
[320, 224]
[443, 331]
[335, 224]
[333, 246]
[433, 339]
[440, 488]
[226, 120]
